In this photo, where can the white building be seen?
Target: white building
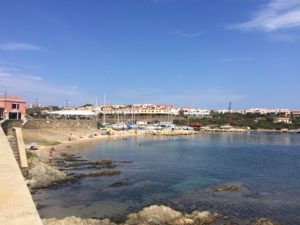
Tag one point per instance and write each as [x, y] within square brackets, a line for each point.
[195, 112]
[223, 111]
[140, 109]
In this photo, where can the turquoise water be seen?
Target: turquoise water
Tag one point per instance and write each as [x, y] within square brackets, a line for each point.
[181, 171]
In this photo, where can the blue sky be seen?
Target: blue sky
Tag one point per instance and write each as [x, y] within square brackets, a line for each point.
[199, 53]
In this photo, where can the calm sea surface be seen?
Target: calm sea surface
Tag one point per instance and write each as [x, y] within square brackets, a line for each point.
[181, 172]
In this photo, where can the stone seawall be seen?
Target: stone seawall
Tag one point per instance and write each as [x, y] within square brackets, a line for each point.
[8, 125]
[16, 205]
[60, 124]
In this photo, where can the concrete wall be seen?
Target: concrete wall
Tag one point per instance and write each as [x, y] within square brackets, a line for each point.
[8, 126]
[16, 205]
[21, 147]
[59, 124]
[71, 124]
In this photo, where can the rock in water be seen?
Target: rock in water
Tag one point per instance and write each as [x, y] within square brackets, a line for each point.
[43, 175]
[76, 221]
[184, 221]
[99, 173]
[264, 221]
[229, 188]
[204, 217]
[158, 215]
[162, 215]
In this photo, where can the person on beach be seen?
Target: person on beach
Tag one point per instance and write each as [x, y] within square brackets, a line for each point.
[51, 155]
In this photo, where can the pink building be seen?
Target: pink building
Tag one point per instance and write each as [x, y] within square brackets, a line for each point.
[12, 107]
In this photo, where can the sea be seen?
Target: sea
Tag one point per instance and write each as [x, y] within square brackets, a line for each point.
[183, 172]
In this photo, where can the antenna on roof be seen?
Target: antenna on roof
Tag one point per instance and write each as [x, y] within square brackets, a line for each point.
[67, 102]
[229, 107]
[5, 98]
[104, 103]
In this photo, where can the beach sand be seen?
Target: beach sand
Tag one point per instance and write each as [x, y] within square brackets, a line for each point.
[60, 138]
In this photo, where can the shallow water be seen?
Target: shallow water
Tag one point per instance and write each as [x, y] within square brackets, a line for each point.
[181, 172]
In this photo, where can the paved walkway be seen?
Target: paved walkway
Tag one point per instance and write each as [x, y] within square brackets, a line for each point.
[16, 204]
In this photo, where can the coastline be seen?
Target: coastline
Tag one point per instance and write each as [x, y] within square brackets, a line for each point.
[42, 149]
[117, 136]
[163, 215]
[75, 139]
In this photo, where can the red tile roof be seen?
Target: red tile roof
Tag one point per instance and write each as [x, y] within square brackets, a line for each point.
[12, 98]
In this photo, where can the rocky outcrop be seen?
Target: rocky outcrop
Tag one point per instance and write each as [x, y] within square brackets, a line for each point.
[76, 221]
[154, 215]
[42, 175]
[160, 215]
[264, 221]
[204, 217]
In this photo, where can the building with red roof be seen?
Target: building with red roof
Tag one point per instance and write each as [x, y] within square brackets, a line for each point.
[12, 107]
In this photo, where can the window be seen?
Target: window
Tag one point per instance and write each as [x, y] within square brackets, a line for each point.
[15, 106]
[1, 113]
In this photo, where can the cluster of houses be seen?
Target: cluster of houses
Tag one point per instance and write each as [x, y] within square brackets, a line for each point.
[12, 107]
[278, 115]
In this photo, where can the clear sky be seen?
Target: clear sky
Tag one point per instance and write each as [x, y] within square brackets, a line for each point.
[201, 53]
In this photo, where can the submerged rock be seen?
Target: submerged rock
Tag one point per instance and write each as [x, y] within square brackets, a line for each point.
[99, 173]
[123, 161]
[82, 163]
[229, 188]
[101, 162]
[121, 183]
[76, 221]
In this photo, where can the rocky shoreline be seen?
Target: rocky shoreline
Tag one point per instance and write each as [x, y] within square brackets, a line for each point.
[163, 215]
[42, 175]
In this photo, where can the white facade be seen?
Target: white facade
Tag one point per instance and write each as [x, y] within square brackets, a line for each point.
[223, 111]
[196, 112]
[139, 109]
[264, 111]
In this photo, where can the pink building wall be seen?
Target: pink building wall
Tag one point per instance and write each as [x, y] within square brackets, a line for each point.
[7, 110]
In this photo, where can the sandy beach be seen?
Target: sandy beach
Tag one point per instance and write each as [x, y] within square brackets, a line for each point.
[59, 139]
